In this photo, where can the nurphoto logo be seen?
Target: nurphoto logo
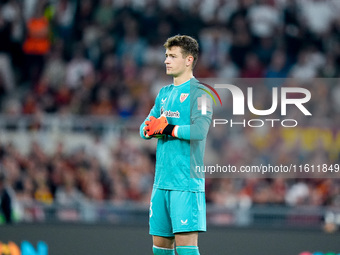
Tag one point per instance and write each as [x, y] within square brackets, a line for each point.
[239, 102]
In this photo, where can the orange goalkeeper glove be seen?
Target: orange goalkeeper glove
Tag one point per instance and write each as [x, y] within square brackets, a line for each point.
[149, 137]
[159, 126]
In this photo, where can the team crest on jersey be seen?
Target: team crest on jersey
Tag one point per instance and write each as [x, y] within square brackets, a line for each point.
[183, 97]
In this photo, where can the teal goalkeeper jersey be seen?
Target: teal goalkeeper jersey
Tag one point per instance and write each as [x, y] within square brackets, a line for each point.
[175, 157]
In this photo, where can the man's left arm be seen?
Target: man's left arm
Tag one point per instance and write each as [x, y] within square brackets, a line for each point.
[198, 130]
[200, 123]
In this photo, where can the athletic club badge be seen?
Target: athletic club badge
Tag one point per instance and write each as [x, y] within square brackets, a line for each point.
[183, 97]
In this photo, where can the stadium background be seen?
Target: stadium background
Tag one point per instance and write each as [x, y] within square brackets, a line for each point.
[78, 77]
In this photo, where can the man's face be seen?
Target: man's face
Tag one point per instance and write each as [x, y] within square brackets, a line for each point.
[175, 63]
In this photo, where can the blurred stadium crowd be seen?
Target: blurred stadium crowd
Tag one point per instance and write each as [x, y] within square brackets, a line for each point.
[105, 58]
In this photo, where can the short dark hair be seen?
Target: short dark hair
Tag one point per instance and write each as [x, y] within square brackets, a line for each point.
[188, 45]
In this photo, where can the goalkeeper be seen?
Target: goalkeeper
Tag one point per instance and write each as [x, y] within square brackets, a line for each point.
[177, 206]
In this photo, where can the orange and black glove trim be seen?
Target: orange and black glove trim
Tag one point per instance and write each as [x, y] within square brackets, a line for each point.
[159, 126]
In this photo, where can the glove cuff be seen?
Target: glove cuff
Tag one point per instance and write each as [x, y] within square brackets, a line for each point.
[175, 132]
[168, 129]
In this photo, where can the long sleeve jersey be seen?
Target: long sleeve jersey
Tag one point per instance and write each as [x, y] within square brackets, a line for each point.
[177, 157]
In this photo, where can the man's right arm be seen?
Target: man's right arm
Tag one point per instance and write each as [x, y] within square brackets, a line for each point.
[155, 111]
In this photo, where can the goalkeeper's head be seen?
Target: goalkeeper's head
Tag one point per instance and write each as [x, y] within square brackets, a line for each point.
[188, 45]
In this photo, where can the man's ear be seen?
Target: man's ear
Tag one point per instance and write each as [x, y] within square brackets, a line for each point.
[189, 60]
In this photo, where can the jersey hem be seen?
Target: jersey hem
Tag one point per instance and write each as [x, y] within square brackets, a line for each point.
[161, 234]
[189, 230]
[178, 189]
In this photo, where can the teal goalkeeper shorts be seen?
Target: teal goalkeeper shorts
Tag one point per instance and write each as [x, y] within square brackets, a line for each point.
[173, 211]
